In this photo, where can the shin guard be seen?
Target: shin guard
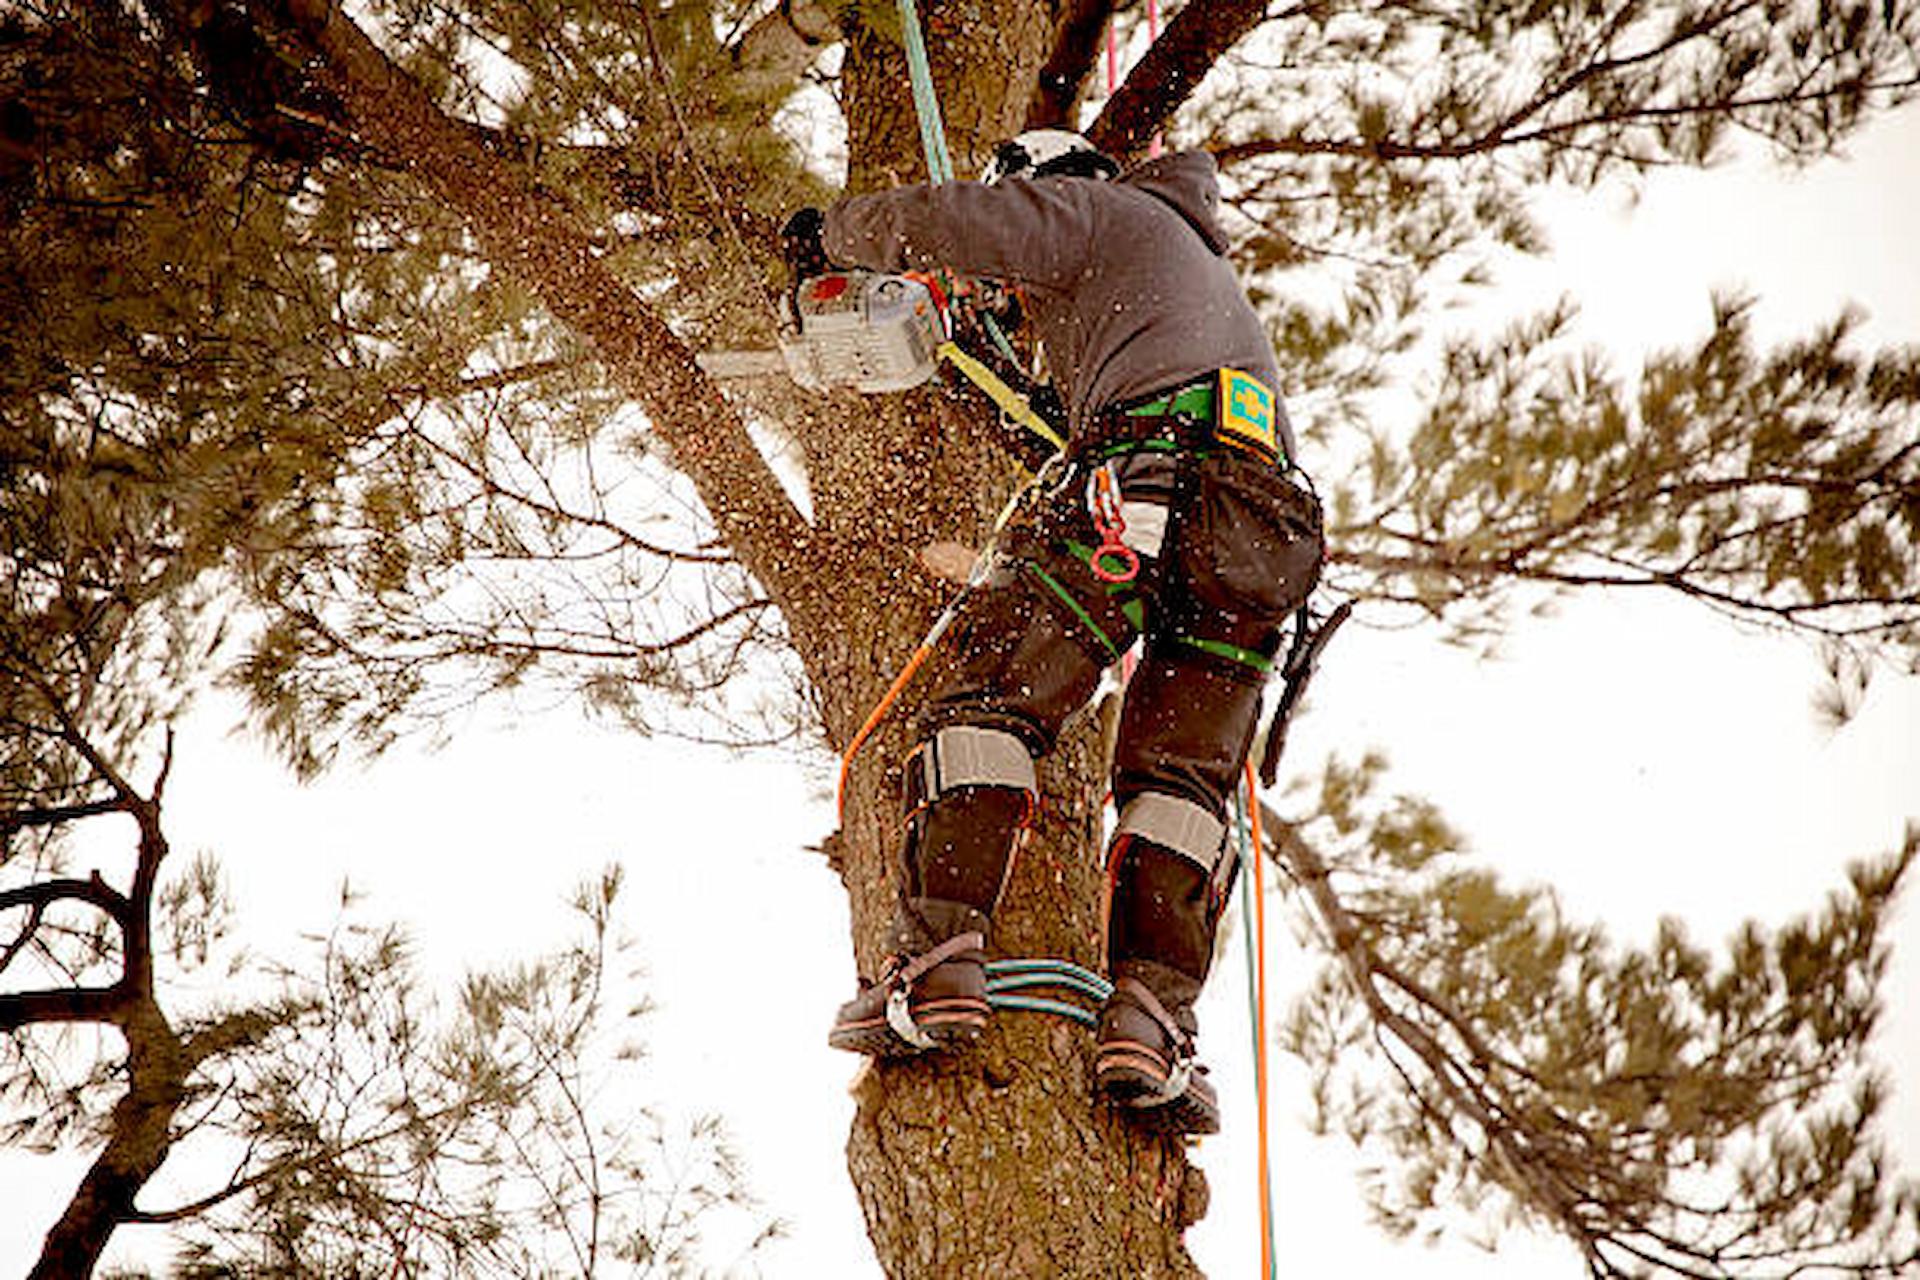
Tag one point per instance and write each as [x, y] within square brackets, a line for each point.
[968, 793]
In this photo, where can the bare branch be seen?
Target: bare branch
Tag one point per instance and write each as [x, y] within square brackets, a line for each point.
[71, 1004]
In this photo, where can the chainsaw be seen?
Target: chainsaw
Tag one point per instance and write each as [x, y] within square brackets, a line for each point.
[850, 330]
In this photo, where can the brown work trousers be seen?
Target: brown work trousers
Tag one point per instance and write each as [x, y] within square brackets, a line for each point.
[1241, 550]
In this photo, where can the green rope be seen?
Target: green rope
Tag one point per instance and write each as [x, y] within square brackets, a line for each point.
[933, 135]
[1009, 980]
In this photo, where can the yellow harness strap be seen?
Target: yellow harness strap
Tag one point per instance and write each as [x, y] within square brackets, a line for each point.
[1010, 401]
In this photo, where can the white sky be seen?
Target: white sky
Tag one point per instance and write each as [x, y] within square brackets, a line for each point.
[1643, 757]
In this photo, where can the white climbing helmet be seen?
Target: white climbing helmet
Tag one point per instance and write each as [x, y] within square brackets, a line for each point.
[1041, 153]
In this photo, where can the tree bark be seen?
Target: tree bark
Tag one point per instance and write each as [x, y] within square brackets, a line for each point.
[139, 1136]
[140, 1130]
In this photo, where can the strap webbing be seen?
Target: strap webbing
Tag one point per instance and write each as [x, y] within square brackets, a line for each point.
[1179, 826]
[969, 756]
[1078, 610]
[1230, 652]
[1011, 402]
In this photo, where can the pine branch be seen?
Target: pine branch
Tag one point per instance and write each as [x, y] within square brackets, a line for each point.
[522, 234]
[63, 1005]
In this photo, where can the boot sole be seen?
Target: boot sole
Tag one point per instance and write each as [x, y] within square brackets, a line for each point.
[1127, 1073]
[951, 1024]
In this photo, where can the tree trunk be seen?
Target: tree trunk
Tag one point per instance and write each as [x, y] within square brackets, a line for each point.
[998, 1162]
[139, 1136]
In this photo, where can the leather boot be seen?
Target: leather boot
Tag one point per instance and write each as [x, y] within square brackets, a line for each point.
[932, 994]
[1145, 1058]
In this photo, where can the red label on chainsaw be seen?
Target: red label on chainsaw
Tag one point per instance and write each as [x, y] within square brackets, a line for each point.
[827, 288]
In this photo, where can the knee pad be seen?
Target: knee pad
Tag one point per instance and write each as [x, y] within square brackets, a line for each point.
[968, 793]
[1168, 874]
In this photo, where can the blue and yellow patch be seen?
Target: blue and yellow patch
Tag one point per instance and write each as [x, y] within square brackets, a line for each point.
[1247, 413]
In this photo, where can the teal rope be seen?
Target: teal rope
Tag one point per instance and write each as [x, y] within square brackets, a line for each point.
[1008, 979]
[1242, 830]
[933, 135]
[1040, 1004]
[1008, 975]
[1000, 339]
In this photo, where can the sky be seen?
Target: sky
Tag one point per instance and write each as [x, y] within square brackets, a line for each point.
[1643, 757]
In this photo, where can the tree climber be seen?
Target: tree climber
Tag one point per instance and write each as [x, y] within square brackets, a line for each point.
[1181, 516]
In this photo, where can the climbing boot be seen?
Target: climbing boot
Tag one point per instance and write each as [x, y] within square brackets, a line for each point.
[1144, 1060]
[932, 994]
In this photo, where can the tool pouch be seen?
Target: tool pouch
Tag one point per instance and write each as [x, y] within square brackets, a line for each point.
[1250, 541]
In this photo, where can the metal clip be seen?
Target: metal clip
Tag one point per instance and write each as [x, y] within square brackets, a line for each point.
[900, 1018]
[1103, 504]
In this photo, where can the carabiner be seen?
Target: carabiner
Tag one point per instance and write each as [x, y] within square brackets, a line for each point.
[1103, 504]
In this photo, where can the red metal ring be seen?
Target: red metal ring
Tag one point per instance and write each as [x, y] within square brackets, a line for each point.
[1129, 563]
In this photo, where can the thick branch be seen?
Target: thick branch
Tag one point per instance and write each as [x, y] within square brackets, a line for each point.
[1064, 76]
[42, 894]
[228, 1034]
[57, 815]
[68, 1004]
[529, 238]
[1169, 73]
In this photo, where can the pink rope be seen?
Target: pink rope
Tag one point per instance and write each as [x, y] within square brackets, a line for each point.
[1153, 34]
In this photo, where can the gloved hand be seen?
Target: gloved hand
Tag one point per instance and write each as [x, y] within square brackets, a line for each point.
[800, 244]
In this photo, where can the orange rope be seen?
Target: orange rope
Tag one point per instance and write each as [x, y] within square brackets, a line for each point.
[1260, 1012]
[874, 717]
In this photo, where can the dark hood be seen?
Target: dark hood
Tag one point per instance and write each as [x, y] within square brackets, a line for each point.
[1184, 181]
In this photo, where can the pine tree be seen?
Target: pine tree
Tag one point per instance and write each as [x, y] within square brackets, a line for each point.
[493, 237]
